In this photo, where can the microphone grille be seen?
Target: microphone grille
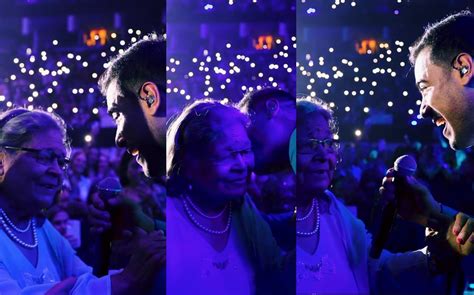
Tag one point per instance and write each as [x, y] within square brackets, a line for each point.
[405, 165]
[110, 184]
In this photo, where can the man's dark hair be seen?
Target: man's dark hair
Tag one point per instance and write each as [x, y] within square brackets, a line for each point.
[143, 61]
[447, 38]
[257, 97]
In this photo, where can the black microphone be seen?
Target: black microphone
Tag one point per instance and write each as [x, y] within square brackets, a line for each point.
[108, 188]
[404, 166]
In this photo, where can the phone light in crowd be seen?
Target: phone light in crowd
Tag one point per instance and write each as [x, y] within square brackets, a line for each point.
[75, 110]
[414, 123]
[87, 138]
[358, 133]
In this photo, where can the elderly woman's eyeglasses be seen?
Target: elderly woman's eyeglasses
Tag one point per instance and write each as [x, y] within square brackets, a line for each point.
[309, 146]
[44, 156]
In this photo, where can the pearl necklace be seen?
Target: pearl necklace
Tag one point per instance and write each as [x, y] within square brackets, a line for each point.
[316, 228]
[206, 229]
[204, 214]
[12, 225]
[309, 213]
[17, 239]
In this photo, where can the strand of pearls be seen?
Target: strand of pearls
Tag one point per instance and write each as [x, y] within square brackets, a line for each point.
[206, 229]
[308, 214]
[204, 214]
[12, 225]
[17, 239]
[316, 228]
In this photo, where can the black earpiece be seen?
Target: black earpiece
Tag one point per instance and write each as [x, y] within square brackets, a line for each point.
[150, 99]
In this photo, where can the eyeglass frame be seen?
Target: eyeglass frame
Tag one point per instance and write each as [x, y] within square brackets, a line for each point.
[323, 142]
[66, 160]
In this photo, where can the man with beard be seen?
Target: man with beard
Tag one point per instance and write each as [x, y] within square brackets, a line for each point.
[134, 86]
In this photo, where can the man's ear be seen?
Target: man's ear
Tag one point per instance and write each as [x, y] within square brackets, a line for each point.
[150, 96]
[272, 107]
[464, 64]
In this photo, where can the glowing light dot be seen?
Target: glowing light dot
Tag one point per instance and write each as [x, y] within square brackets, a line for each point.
[410, 112]
[390, 104]
[366, 110]
[55, 42]
[405, 93]
[13, 77]
[94, 75]
[54, 105]
[88, 138]
[9, 104]
[347, 109]
[75, 110]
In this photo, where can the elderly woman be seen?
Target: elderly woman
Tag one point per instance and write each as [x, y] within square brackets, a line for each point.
[217, 241]
[332, 245]
[34, 257]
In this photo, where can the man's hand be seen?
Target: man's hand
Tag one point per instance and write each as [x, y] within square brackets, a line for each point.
[415, 203]
[101, 220]
[148, 257]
